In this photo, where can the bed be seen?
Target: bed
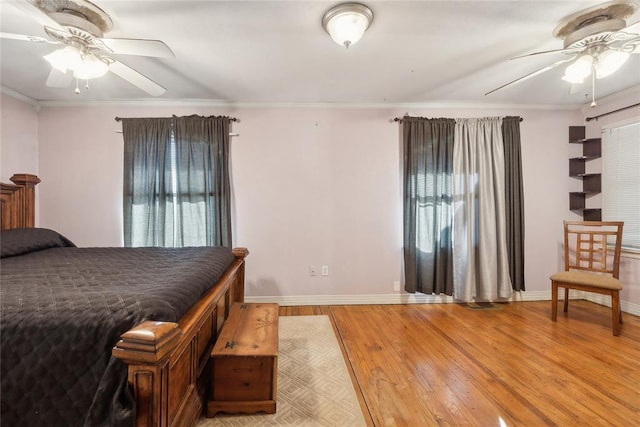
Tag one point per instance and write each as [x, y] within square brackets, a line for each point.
[106, 336]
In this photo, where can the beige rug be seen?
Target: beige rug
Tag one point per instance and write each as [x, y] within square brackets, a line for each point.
[314, 387]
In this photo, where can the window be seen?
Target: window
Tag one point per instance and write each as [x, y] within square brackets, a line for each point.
[450, 205]
[184, 199]
[621, 179]
[176, 181]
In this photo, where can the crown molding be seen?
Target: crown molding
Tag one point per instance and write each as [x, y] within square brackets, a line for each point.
[612, 102]
[603, 104]
[212, 103]
[20, 97]
[217, 103]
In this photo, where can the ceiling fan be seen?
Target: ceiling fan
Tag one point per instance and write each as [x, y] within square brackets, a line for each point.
[597, 40]
[79, 26]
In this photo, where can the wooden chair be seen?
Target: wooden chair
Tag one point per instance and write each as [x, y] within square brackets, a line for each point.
[591, 264]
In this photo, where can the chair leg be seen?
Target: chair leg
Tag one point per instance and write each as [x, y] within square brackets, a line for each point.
[554, 301]
[566, 299]
[620, 313]
[615, 312]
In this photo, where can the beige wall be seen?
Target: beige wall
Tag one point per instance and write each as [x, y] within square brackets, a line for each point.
[18, 140]
[312, 186]
[18, 137]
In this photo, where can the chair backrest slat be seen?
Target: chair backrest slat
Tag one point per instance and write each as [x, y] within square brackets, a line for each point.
[588, 245]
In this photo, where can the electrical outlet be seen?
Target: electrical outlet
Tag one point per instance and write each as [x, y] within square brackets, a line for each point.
[312, 270]
[396, 286]
[325, 270]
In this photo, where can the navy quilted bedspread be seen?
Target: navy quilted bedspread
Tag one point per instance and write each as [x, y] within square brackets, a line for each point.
[64, 308]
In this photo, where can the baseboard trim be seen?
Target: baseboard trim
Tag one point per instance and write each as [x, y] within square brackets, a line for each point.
[404, 298]
[395, 298]
[627, 307]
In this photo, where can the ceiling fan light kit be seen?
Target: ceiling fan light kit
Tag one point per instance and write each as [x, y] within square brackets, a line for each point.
[581, 68]
[84, 66]
[68, 58]
[603, 64]
[610, 61]
[347, 22]
[90, 68]
[79, 25]
[596, 39]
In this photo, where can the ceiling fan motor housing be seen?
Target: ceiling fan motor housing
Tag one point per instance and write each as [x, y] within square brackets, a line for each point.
[80, 32]
[595, 25]
[597, 32]
[83, 21]
[82, 9]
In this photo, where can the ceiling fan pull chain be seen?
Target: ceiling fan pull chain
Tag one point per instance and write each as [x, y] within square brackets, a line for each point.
[593, 85]
[77, 91]
[87, 85]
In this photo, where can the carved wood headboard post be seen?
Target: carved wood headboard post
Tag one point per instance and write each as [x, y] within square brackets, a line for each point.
[18, 202]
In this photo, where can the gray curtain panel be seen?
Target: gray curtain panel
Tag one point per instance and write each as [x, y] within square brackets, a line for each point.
[480, 260]
[176, 182]
[514, 200]
[147, 143]
[203, 185]
[428, 204]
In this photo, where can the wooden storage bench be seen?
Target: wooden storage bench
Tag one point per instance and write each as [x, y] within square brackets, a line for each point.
[244, 361]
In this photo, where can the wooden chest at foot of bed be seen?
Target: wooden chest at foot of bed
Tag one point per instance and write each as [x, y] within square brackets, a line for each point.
[244, 361]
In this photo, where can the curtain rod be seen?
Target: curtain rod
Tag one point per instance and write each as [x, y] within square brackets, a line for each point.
[611, 112]
[233, 119]
[399, 119]
[230, 133]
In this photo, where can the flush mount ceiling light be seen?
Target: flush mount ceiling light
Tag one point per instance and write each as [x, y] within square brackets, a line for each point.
[347, 22]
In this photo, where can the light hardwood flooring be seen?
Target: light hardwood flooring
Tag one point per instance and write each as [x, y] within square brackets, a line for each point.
[446, 364]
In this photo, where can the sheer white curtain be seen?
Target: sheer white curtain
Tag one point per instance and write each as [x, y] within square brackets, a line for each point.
[480, 264]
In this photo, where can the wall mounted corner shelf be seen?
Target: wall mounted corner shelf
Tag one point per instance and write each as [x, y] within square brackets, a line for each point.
[591, 182]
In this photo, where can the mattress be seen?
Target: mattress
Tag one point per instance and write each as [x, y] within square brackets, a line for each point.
[63, 310]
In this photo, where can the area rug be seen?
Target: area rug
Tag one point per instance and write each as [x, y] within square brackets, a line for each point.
[314, 387]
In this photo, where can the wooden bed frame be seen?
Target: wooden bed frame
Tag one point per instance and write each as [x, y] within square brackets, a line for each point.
[168, 362]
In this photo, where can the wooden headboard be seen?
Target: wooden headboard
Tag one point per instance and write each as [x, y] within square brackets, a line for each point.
[18, 202]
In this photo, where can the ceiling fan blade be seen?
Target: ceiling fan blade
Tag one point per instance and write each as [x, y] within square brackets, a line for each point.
[59, 79]
[136, 79]
[630, 46]
[532, 74]
[141, 47]
[627, 39]
[26, 38]
[37, 15]
[543, 52]
[576, 88]
[632, 28]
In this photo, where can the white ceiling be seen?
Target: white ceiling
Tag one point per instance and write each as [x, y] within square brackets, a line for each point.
[415, 52]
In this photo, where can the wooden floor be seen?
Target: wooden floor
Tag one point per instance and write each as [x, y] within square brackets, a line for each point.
[446, 364]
